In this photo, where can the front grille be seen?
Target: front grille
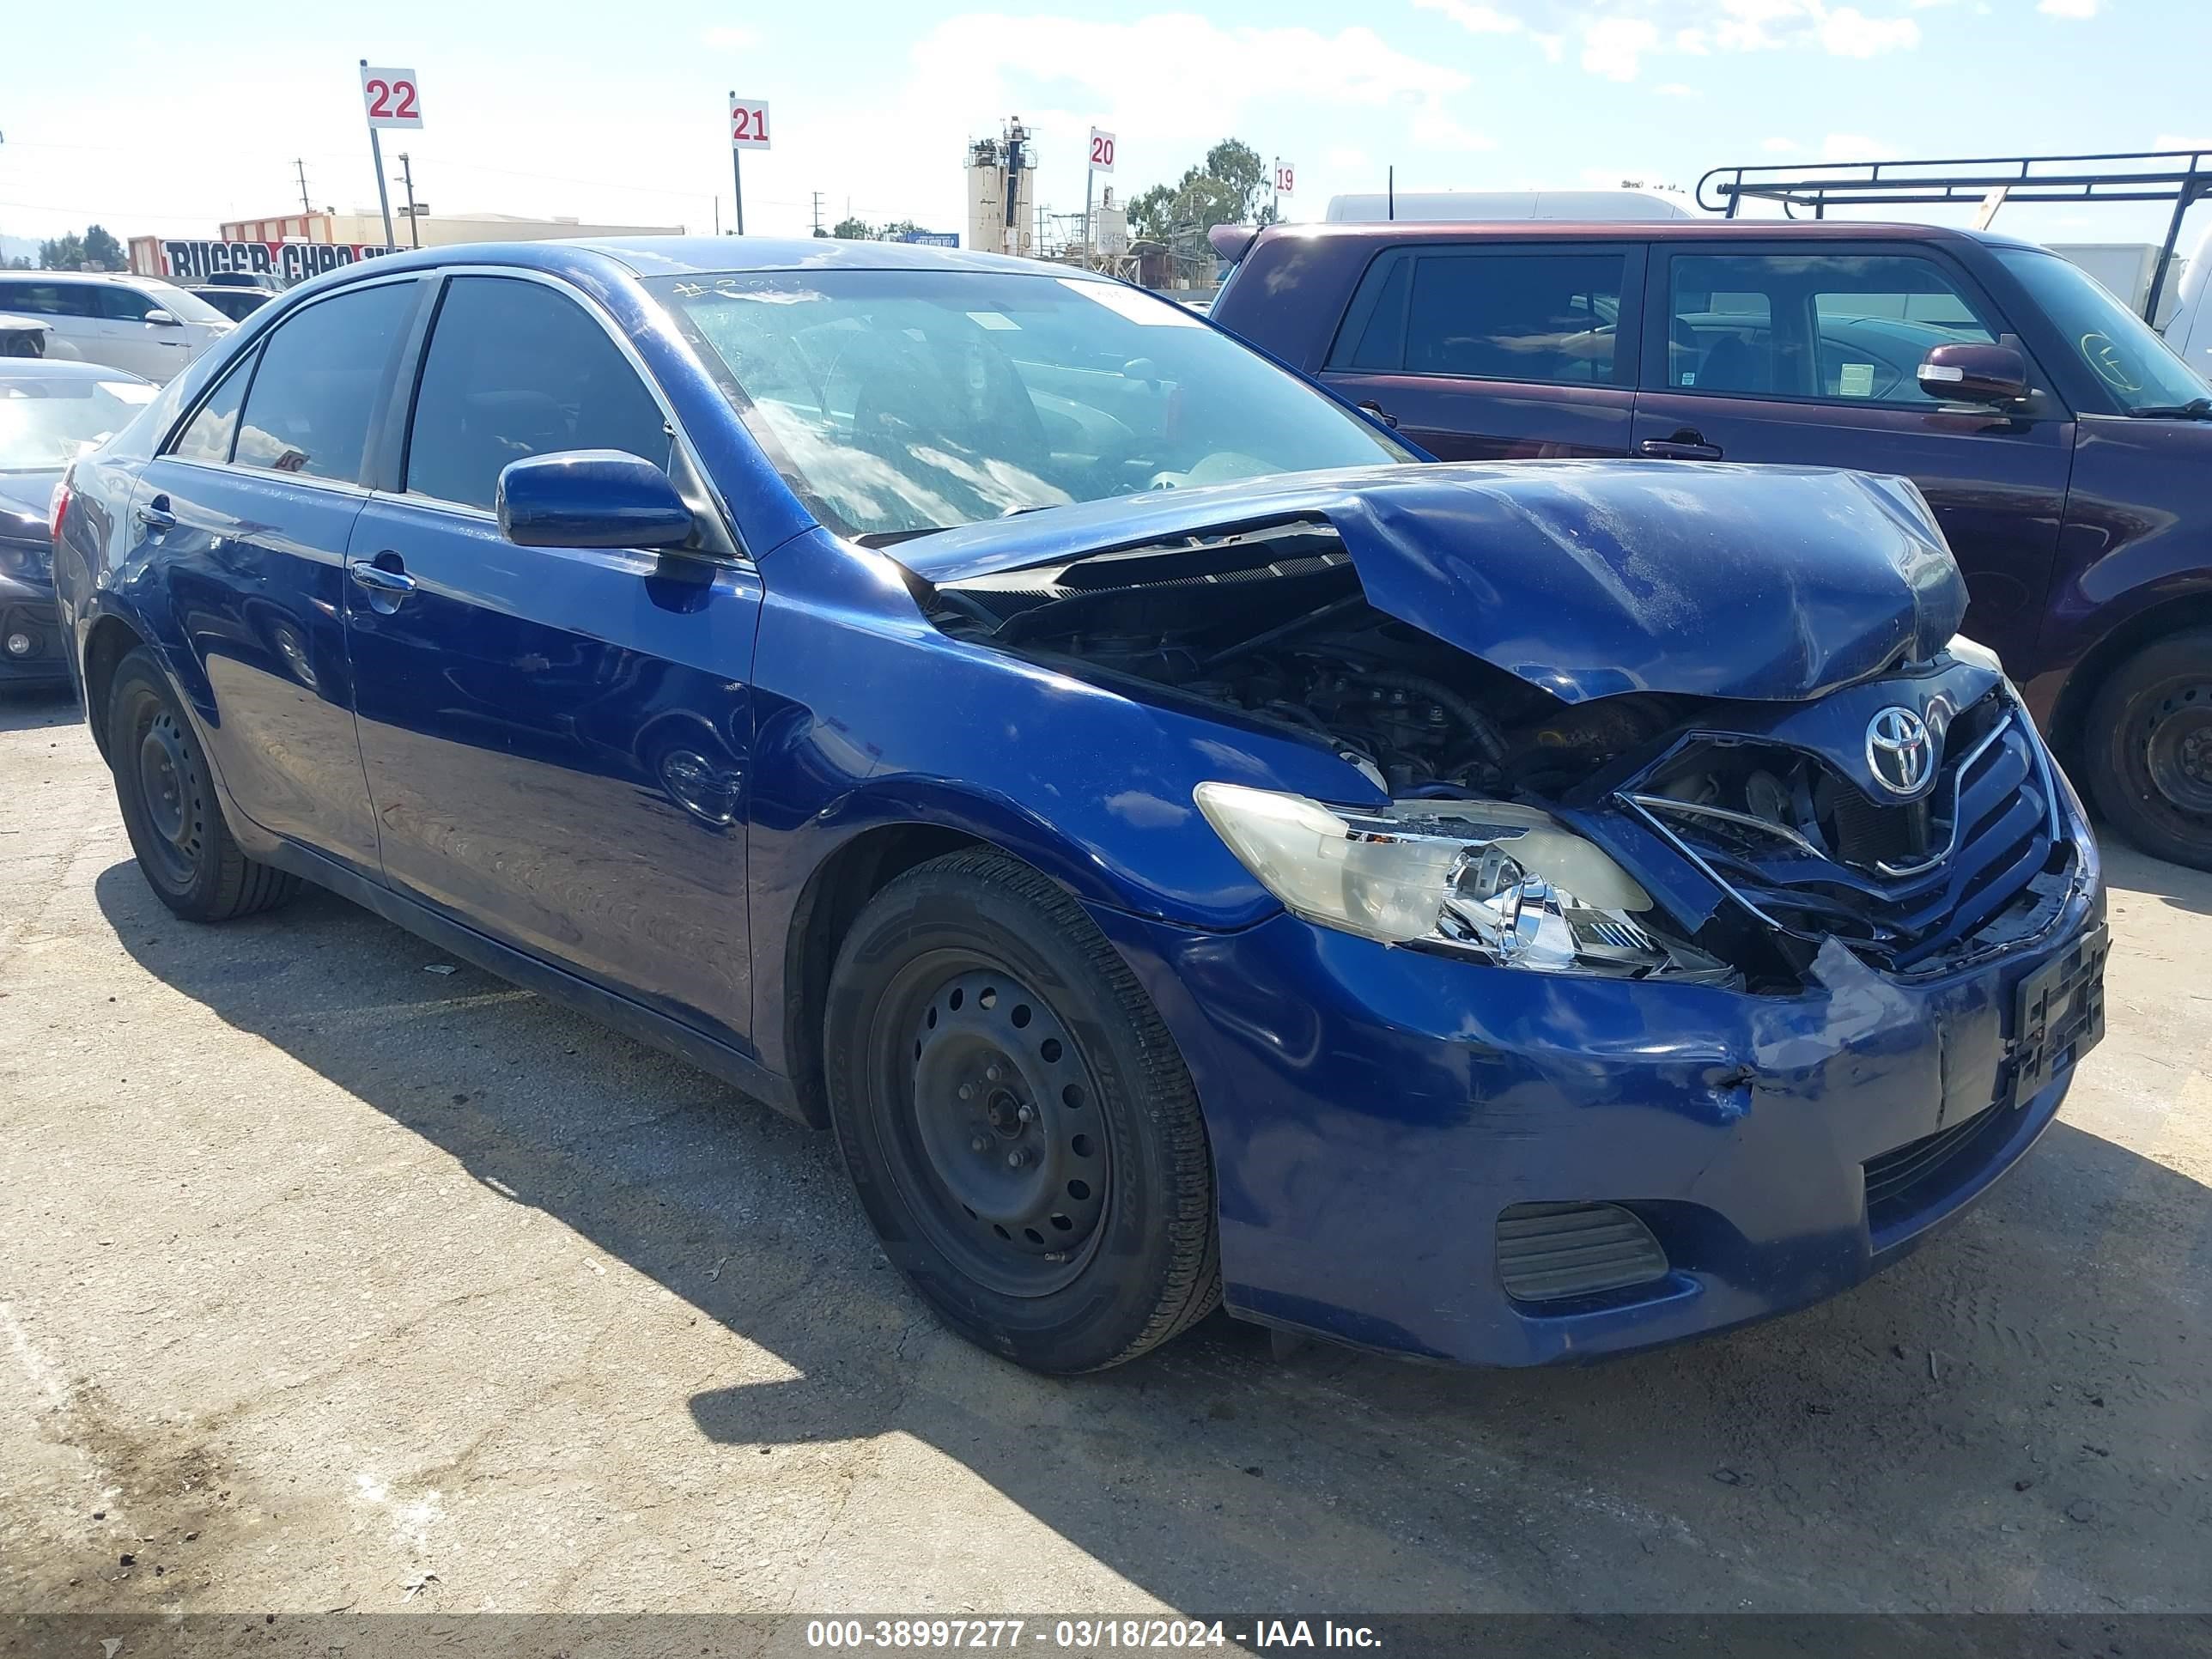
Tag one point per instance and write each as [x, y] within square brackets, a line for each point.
[1899, 1182]
[1979, 859]
[1547, 1252]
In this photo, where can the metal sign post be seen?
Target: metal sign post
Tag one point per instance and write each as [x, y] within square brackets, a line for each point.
[1102, 160]
[390, 98]
[748, 130]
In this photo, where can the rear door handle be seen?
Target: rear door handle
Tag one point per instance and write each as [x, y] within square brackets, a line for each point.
[156, 514]
[381, 582]
[1687, 445]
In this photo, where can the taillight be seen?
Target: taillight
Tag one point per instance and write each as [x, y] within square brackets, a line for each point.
[60, 504]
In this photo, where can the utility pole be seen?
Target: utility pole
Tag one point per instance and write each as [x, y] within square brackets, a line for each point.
[300, 166]
[414, 218]
[817, 213]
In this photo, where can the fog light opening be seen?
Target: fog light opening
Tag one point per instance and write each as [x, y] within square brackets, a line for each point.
[19, 645]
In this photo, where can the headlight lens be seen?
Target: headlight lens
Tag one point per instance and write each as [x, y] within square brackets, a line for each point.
[1505, 882]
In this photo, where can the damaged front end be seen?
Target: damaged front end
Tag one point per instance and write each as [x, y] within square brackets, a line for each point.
[1617, 721]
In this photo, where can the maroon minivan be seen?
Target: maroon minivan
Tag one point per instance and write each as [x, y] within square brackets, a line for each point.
[2066, 450]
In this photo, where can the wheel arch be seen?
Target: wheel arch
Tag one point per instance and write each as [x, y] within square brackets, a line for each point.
[107, 642]
[828, 905]
[2170, 615]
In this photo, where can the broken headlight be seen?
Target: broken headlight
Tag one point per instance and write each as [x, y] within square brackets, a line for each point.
[1507, 883]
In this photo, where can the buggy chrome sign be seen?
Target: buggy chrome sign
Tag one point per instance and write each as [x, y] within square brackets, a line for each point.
[288, 262]
[1899, 751]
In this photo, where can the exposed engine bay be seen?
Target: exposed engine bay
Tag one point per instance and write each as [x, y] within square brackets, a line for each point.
[1272, 625]
[1275, 626]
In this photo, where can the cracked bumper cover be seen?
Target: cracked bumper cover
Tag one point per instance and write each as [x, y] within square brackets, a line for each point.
[1372, 1108]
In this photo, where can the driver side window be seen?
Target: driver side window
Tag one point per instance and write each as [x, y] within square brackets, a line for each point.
[517, 369]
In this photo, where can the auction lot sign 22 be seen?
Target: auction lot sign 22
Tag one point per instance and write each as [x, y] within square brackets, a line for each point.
[288, 262]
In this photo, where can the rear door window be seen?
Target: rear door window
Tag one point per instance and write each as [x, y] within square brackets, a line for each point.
[1547, 317]
[1842, 328]
[323, 374]
[207, 435]
[515, 369]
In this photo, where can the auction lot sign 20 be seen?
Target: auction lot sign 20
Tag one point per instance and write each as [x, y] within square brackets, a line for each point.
[288, 262]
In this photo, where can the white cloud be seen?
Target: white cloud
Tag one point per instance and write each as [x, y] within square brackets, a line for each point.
[1678, 90]
[1691, 42]
[1434, 130]
[1779, 146]
[1850, 33]
[2069, 8]
[729, 38]
[1614, 47]
[2179, 141]
[1854, 147]
[1475, 18]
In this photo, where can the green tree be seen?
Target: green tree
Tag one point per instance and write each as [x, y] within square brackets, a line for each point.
[1231, 186]
[854, 230]
[63, 253]
[104, 251]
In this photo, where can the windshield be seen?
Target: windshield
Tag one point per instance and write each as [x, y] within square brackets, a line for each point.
[183, 304]
[2135, 368]
[46, 423]
[901, 401]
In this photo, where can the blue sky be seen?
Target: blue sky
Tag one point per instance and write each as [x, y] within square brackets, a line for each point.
[185, 116]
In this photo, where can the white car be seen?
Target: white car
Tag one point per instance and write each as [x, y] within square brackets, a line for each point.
[143, 324]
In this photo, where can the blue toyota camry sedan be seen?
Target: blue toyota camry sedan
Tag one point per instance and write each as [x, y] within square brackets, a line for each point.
[1186, 847]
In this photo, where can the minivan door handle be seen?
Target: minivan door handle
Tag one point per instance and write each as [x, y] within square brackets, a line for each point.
[155, 514]
[1370, 407]
[1687, 445]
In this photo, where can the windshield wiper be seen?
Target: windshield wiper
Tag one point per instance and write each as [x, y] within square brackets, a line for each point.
[2197, 409]
[891, 538]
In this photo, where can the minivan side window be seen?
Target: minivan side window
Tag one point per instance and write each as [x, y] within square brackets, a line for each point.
[124, 305]
[47, 299]
[1549, 318]
[516, 369]
[323, 373]
[207, 436]
[1842, 328]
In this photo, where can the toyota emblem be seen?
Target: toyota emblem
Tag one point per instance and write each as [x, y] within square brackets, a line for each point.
[1899, 751]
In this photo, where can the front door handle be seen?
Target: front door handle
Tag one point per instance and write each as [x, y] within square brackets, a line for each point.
[156, 514]
[382, 581]
[1687, 445]
[1370, 407]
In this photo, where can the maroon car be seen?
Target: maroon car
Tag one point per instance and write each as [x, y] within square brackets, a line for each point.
[2066, 450]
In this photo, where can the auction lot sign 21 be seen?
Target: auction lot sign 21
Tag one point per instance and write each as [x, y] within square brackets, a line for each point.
[287, 261]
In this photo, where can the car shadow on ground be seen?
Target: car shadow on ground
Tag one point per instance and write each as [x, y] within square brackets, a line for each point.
[27, 708]
[2012, 1417]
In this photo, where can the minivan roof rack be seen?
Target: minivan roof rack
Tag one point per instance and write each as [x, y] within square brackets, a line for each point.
[2179, 176]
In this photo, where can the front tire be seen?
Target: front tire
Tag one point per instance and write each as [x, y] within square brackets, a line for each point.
[166, 793]
[2148, 748]
[1017, 1120]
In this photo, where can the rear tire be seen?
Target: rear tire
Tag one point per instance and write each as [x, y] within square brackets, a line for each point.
[166, 793]
[1017, 1120]
[2147, 745]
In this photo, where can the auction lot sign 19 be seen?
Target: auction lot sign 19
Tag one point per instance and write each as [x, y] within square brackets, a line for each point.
[288, 262]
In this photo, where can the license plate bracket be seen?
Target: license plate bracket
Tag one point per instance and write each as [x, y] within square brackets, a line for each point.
[2058, 1015]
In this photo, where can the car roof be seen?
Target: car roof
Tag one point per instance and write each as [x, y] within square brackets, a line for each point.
[80, 277]
[686, 256]
[1642, 230]
[59, 368]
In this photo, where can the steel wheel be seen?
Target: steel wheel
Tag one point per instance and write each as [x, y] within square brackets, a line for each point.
[1006, 1165]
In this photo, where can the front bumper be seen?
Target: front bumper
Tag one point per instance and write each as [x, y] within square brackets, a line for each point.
[27, 611]
[1373, 1108]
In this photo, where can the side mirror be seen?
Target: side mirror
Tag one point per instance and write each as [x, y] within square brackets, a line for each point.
[161, 319]
[1974, 374]
[589, 498]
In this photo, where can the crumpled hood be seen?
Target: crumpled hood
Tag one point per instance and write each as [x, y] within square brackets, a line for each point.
[1586, 578]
